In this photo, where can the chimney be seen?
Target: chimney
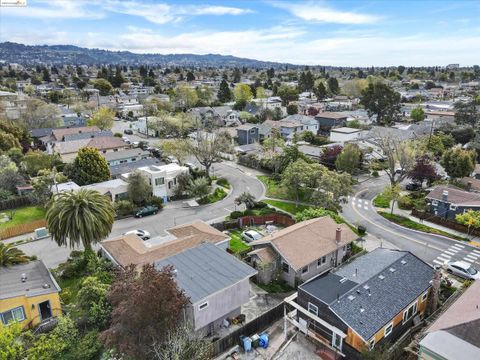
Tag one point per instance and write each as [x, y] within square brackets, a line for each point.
[469, 186]
[338, 235]
[445, 195]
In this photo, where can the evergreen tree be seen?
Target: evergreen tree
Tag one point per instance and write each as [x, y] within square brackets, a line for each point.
[224, 94]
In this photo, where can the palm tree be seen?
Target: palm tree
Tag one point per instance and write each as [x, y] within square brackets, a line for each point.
[85, 217]
[247, 199]
[10, 255]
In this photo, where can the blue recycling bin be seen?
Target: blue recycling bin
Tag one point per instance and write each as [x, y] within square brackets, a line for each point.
[263, 340]
[247, 343]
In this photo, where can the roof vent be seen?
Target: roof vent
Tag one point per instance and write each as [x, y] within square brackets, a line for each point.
[392, 270]
[403, 262]
[351, 297]
[342, 280]
[366, 287]
[46, 286]
[362, 309]
[24, 277]
[381, 277]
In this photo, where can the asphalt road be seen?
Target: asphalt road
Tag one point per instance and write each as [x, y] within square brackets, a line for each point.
[433, 249]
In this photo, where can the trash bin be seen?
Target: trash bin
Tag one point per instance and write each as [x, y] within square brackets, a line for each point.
[263, 340]
[255, 341]
[247, 343]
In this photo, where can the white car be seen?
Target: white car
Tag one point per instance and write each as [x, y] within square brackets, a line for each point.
[251, 235]
[463, 269]
[143, 234]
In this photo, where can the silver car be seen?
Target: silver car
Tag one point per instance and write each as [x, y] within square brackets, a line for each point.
[462, 269]
[143, 234]
[251, 235]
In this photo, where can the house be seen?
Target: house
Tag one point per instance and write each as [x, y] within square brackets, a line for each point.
[308, 123]
[162, 178]
[470, 183]
[116, 171]
[345, 134]
[287, 129]
[328, 120]
[115, 189]
[313, 152]
[130, 249]
[447, 201]
[125, 156]
[207, 116]
[454, 334]
[66, 186]
[372, 300]
[29, 295]
[248, 134]
[302, 251]
[215, 282]
[60, 133]
[68, 149]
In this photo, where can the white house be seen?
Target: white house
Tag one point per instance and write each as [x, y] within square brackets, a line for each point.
[345, 134]
[115, 189]
[162, 178]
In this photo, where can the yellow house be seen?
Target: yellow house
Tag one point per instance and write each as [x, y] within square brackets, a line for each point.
[28, 294]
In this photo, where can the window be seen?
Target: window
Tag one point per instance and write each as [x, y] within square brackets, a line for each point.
[305, 270]
[388, 329]
[285, 267]
[159, 181]
[313, 309]
[203, 306]
[453, 207]
[321, 261]
[371, 344]
[13, 315]
[411, 310]
[434, 202]
[424, 296]
[336, 341]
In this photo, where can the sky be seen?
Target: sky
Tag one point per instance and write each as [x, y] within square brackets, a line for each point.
[337, 33]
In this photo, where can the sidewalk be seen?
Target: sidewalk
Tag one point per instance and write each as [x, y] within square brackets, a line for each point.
[370, 242]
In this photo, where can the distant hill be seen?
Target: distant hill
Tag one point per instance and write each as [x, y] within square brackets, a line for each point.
[69, 54]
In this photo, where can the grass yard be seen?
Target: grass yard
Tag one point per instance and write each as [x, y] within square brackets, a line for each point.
[23, 216]
[381, 201]
[410, 224]
[237, 245]
[273, 187]
[286, 206]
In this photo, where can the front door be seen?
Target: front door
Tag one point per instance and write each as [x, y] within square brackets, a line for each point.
[45, 310]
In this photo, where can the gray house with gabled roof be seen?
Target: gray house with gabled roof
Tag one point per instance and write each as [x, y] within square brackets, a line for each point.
[368, 301]
[216, 283]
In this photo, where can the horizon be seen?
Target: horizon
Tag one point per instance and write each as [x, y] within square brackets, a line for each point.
[327, 33]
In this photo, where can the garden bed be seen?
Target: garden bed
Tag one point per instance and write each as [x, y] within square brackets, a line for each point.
[217, 195]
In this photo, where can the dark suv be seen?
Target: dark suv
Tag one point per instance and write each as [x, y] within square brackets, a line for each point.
[147, 210]
[128, 131]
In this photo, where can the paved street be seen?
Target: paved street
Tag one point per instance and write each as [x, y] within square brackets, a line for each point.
[433, 249]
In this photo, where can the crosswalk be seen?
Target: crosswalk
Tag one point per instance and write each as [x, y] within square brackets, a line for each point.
[458, 252]
[359, 203]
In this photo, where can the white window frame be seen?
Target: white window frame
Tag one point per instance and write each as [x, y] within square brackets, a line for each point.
[15, 320]
[162, 182]
[203, 306]
[313, 307]
[434, 202]
[305, 272]
[414, 312]
[424, 296]
[371, 344]
[389, 326]
[335, 337]
[453, 207]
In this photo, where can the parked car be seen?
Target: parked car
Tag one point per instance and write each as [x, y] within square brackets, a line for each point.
[171, 159]
[128, 131]
[143, 234]
[147, 210]
[251, 235]
[135, 144]
[126, 139]
[413, 186]
[463, 269]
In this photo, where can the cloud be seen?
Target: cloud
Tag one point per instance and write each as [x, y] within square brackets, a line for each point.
[318, 12]
[55, 9]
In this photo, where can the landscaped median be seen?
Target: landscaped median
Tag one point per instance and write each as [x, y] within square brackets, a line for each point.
[410, 224]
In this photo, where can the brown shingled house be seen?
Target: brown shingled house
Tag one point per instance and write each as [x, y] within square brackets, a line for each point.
[130, 249]
[301, 251]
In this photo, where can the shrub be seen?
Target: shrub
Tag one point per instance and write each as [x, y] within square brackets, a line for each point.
[361, 230]
[260, 205]
[375, 173]
[381, 201]
[155, 201]
[224, 183]
[236, 214]
[123, 207]
[217, 195]
[248, 212]
[267, 211]
[405, 203]
[117, 134]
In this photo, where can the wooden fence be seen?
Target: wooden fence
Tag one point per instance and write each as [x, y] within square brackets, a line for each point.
[445, 222]
[255, 326]
[22, 229]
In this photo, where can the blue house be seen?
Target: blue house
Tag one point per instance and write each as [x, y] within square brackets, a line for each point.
[247, 134]
[448, 201]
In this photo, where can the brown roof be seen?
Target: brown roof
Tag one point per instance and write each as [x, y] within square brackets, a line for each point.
[58, 134]
[130, 249]
[462, 311]
[331, 115]
[307, 241]
[266, 254]
[455, 196]
[475, 183]
[106, 143]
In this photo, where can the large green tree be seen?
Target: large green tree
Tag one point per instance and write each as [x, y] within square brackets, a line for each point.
[103, 86]
[82, 217]
[381, 100]
[466, 113]
[102, 118]
[349, 159]
[89, 167]
[224, 94]
[243, 93]
[138, 188]
[458, 163]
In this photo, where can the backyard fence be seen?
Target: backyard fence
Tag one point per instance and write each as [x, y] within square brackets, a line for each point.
[22, 229]
[15, 202]
[255, 326]
[445, 222]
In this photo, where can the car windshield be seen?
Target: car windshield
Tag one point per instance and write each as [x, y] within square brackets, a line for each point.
[472, 271]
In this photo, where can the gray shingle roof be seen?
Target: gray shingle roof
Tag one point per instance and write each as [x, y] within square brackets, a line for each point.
[380, 299]
[116, 170]
[87, 135]
[125, 154]
[38, 282]
[205, 269]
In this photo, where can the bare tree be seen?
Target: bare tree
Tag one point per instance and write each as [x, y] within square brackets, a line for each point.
[181, 343]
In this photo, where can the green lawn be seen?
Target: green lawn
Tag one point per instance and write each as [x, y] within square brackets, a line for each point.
[286, 206]
[23, 215]
[381, 201]
[237, 245]
[273, 187]
[406, 222]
